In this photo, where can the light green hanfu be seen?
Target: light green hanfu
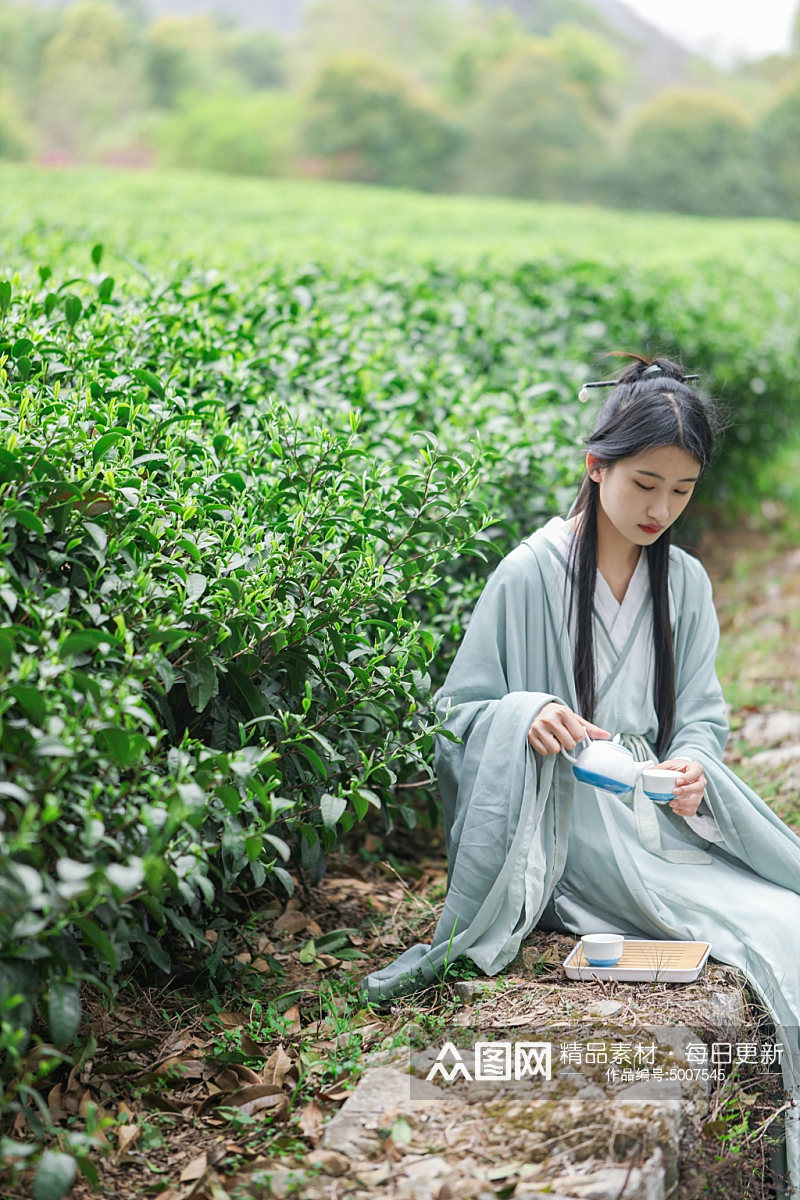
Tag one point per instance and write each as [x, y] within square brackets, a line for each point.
[527, 843]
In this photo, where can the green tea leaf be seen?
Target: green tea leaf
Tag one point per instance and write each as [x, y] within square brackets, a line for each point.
[331, 808]
[309, 753]
[55, 1175]
[30, 701]
[103, 445]
[30, 520]
[72, 309]
[201, 683]
[97, 937]
[63, 1012]
[196, 584]
[152, 381]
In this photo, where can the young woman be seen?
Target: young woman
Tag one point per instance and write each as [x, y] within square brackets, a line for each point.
[597, 625]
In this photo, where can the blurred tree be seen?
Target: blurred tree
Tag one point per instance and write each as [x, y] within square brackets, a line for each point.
[593, 63]
[542, 16]
[368, 123]
[248, 134]
[694, 152]
[530, 133]
[410, 34]
[92, 79]
[188, 54]
[16, 139]
[778, 137]
[24, 34]
[259, 58]
[135, 11]
[484, 39]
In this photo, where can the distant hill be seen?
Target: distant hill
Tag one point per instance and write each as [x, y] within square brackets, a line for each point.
[281, 15]
[658, 59]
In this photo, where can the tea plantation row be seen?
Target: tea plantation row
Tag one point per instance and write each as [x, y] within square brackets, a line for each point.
[243, 523]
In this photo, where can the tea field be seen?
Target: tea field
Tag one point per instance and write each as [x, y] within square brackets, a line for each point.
[261, 444]
[240, 226]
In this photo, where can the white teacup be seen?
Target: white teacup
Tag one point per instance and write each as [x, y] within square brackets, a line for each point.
[659, 782]
[602, 949]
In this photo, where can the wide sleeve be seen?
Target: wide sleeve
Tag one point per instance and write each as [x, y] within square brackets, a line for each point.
[750, 829]
[701, 725]
[506, 819]
[499, 669]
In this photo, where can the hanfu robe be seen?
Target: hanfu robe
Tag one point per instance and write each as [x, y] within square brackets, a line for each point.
[528, 844]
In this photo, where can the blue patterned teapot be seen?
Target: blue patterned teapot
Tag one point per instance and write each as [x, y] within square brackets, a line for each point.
[607, 765]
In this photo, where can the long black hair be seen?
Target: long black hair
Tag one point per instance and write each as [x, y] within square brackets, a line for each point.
[651, 406]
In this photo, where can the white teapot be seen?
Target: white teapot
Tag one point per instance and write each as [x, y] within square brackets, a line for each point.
[607, 765]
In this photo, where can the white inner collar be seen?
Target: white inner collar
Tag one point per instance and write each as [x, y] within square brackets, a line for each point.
[617, 617]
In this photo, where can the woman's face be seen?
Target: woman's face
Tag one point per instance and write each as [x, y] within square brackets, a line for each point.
[642, 495]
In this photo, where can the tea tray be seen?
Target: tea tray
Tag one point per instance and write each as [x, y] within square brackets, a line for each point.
[644, 962]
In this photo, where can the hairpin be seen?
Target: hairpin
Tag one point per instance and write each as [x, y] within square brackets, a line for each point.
[600, 383]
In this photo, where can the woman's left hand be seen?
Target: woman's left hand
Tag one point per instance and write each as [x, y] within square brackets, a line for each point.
[689, 789]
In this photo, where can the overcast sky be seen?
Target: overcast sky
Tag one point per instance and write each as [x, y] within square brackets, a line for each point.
[725, 30]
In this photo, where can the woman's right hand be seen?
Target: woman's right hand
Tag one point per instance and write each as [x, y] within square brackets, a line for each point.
[558, 728]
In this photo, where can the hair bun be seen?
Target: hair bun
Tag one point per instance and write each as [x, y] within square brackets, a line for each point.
[641, 367]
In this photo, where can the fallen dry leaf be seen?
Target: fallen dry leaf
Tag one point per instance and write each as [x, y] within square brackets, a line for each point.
[232, 1020]
[310, 1120]
[127, 1136]
[330, 1161]
[261, 1103]
[277, 1067]
[161, 1103]
[290, 922]
[225, 1081]
[195, 1170]
[251, 1048]
[338, 1091]
[254, 1091]
[326, 961]
[172, 1045]
[236, 1074]
[245, 1099]
[54, 1103]
[120, 1067]
[531, 1018]
[185, 1068]
[292, 1015]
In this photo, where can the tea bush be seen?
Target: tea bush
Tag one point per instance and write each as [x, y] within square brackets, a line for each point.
[244, 521]
[208, 645]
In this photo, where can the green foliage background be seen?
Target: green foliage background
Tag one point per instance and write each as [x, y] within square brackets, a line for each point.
[261, 445]
[551, 101]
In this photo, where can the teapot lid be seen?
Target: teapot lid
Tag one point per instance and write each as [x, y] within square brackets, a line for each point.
[614, 744]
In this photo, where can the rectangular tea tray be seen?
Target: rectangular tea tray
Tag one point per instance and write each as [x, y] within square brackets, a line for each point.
[644, 962]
